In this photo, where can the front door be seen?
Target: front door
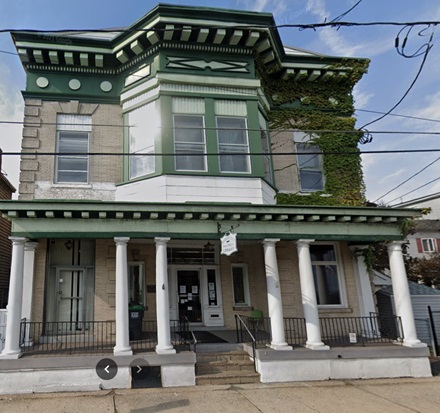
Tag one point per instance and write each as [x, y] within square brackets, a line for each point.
[71, 299]
[188, 289]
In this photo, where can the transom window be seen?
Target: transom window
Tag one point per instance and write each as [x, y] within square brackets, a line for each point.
[233, 143]
[73, 136]
[326, 275]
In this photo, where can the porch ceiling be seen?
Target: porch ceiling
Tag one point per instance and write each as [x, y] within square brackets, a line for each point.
[97, 219]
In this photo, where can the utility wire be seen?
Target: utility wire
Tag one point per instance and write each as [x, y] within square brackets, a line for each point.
[427, 46]
[346, 12]
[407, 180]
[312, 26]
[414, 190]
[173, 154]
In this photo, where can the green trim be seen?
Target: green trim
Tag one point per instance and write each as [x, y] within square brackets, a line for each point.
[64, 98]
[167, 143]
[211, 138]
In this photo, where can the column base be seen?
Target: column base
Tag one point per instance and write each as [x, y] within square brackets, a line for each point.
[317, 346]
[127, 351]
[170, 350]
[280, 346]
[11, 356]
[414, 344]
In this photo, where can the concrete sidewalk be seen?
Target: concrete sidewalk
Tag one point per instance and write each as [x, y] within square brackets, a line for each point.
[387, 395]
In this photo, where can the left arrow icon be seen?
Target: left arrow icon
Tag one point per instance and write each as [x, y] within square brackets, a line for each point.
[106, 369]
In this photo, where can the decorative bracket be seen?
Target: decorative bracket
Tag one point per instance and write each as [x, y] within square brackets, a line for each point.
[219, 228]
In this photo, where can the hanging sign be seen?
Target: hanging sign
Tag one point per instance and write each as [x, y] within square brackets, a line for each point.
[229, 243]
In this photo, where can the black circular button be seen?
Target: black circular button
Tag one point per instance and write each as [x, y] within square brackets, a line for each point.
[106, 369]
[140, 369]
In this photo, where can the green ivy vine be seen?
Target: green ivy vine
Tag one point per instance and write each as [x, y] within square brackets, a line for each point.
[326, 104]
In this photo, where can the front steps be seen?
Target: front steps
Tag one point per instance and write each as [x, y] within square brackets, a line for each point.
[233, 367]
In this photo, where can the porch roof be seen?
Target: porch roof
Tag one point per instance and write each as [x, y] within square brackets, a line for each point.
[105, 219]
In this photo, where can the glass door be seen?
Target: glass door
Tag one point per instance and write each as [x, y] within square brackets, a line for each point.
[71, 294]
[188, 290]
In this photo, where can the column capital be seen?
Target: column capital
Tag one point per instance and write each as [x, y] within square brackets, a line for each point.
[395, 245]
[121, 240]
[304, 242]
[270, 241]
[18, 240]
[161, 240]
[31, 245]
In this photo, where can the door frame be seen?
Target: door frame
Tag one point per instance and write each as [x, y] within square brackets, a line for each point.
[204, 303]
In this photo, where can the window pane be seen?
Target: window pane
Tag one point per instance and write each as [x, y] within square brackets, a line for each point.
[428, 245]
[144, 124]
[72, 168]
[232, 139]
[309, 167]
[311, 180]
[239, 285]
[188, 129]
[189, 138]
[322, 253]
[326, 284]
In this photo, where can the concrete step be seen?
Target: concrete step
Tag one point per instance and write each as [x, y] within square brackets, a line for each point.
[228, 378]
[233, 367]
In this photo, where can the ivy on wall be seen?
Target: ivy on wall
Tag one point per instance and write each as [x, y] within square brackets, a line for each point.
[326, 104]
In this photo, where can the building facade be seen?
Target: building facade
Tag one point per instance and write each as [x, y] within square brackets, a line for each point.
[142, 148]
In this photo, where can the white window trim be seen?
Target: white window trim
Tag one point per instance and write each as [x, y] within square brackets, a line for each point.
[205, 163]
[56, 178]
[428, 240]
[341, 276]
[248, 157]
[247, 294]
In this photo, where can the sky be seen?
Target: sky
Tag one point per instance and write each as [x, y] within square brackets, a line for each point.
[388, 78]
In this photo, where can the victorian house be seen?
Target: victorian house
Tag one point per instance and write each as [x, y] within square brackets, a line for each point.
[142, 149]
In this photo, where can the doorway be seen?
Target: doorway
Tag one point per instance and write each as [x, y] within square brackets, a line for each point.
[188, 287]
[74, 285]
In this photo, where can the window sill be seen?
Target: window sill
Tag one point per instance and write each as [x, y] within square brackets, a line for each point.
[82, 186]
[335, 310]
[242, 308]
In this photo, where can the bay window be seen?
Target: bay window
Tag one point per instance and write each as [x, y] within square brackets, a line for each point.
[189, 134]
[233, 145]
[143, 127]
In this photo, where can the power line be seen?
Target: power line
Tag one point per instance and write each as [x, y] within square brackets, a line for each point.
[313, 26]
[341, 153]
[414, 190]
[398, 115]
[407, 180]
[349, 131]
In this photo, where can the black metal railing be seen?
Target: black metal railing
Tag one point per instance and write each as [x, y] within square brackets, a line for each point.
[244, 335]
[335, 331]
[94, 336]
[346, 331]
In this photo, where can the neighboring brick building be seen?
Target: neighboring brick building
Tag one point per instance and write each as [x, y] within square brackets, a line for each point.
[144, 147]
[6, 191]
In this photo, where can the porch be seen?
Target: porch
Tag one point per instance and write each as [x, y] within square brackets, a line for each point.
[99, 337]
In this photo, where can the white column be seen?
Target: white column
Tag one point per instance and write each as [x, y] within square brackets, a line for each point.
[12, 342]
[28, 284]
[164, 345]
[363, 283]
[402, 298]
[122, 347]
[28, 279]
[308, 296]
[274, 302]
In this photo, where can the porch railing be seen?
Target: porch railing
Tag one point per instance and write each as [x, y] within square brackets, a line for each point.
[335, 331]
[93, 336]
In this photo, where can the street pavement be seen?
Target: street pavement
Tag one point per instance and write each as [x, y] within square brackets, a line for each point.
[336, 396]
